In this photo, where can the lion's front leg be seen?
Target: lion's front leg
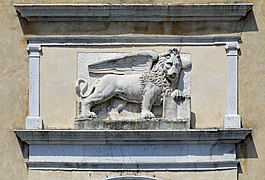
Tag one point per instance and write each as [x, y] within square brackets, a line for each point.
[151, 93]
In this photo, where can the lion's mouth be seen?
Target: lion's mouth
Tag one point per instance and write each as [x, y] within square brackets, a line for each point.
[172, 76]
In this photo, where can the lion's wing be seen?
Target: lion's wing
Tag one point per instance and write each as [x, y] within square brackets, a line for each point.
[129, 63]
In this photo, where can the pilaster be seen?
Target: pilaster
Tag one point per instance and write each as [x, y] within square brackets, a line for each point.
[34, 121]
[232, 119]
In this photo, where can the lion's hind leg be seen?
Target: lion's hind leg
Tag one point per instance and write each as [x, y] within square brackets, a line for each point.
[100, 94]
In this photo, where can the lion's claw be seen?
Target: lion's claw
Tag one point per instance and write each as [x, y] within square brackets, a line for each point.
[147, 115]
[89, 115]
[177, 95]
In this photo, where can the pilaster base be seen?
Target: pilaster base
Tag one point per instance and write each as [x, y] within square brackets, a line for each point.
[232, 121]
[34, 123]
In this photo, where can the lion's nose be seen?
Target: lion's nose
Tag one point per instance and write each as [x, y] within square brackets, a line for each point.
[173, 75]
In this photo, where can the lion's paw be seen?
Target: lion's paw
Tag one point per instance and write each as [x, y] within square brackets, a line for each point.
[88, 115]
[114, 115]
[147, 115]
[177, 95]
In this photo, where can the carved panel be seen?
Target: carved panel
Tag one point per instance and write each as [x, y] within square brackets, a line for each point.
[133, 87]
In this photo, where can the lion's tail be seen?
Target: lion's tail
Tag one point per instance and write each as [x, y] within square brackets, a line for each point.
[83, 91]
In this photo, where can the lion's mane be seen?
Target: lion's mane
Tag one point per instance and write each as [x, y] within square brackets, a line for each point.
[156, 75]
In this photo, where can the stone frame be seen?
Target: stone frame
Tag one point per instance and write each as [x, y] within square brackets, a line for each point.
[215, 148]
[200, 142]
[35, 43]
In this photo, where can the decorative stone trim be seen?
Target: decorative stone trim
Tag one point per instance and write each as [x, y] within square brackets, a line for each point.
[134, 12]
[149, 150]
[198, 149]
[64, 149]
[174, 166]
[134, 136]
[231, 43]
[232, 119]
[34, 121]
[145, 40]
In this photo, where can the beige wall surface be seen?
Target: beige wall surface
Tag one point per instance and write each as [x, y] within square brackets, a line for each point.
[14, 80]
[13, 92]
[251, 94]
[128, 1]
[210, 175]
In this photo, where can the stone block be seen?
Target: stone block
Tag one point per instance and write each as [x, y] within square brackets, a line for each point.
[232, 121]
[34, 123]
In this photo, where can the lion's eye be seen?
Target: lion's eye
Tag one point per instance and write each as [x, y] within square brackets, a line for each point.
[168, 56]
[170, 63]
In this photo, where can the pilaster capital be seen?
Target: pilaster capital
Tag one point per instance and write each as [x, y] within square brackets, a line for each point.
[232, 48]
[34, 50]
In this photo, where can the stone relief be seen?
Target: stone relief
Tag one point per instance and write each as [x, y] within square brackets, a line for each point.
[144, 78]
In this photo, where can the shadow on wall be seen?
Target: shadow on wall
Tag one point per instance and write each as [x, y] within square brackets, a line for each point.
[249, 23]
[246, 24]
[246, 150]
[192, 120]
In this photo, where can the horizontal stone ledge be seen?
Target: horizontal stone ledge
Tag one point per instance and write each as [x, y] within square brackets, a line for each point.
[134, 12]
[190, 136]
[144, 40]
[177, 166]
[118, 150]
[131, 124]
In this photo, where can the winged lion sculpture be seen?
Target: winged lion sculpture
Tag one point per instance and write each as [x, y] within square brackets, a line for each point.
[141, 77]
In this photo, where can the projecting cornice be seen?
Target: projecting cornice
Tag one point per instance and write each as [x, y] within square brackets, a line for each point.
[132, 136]
[134, 12]
[151, 150]
[131, 40]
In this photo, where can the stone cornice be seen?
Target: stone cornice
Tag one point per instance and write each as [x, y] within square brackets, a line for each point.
[145, 40]
[132, 136]
[149, 150]
[134, 12]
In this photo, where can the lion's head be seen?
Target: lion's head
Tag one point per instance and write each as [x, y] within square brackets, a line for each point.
[171, 64]
[166, 70]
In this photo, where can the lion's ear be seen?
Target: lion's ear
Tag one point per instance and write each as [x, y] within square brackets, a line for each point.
[186, 60]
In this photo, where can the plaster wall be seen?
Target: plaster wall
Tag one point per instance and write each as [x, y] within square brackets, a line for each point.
[13, 92]
[53, 175]
[251, 94]
[14, 84]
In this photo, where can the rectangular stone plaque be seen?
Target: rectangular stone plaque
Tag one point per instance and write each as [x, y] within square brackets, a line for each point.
[121, 101]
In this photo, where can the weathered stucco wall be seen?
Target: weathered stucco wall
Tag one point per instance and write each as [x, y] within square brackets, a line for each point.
[53, 175]
[14, 82]
[13, 92]
[251, 93]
